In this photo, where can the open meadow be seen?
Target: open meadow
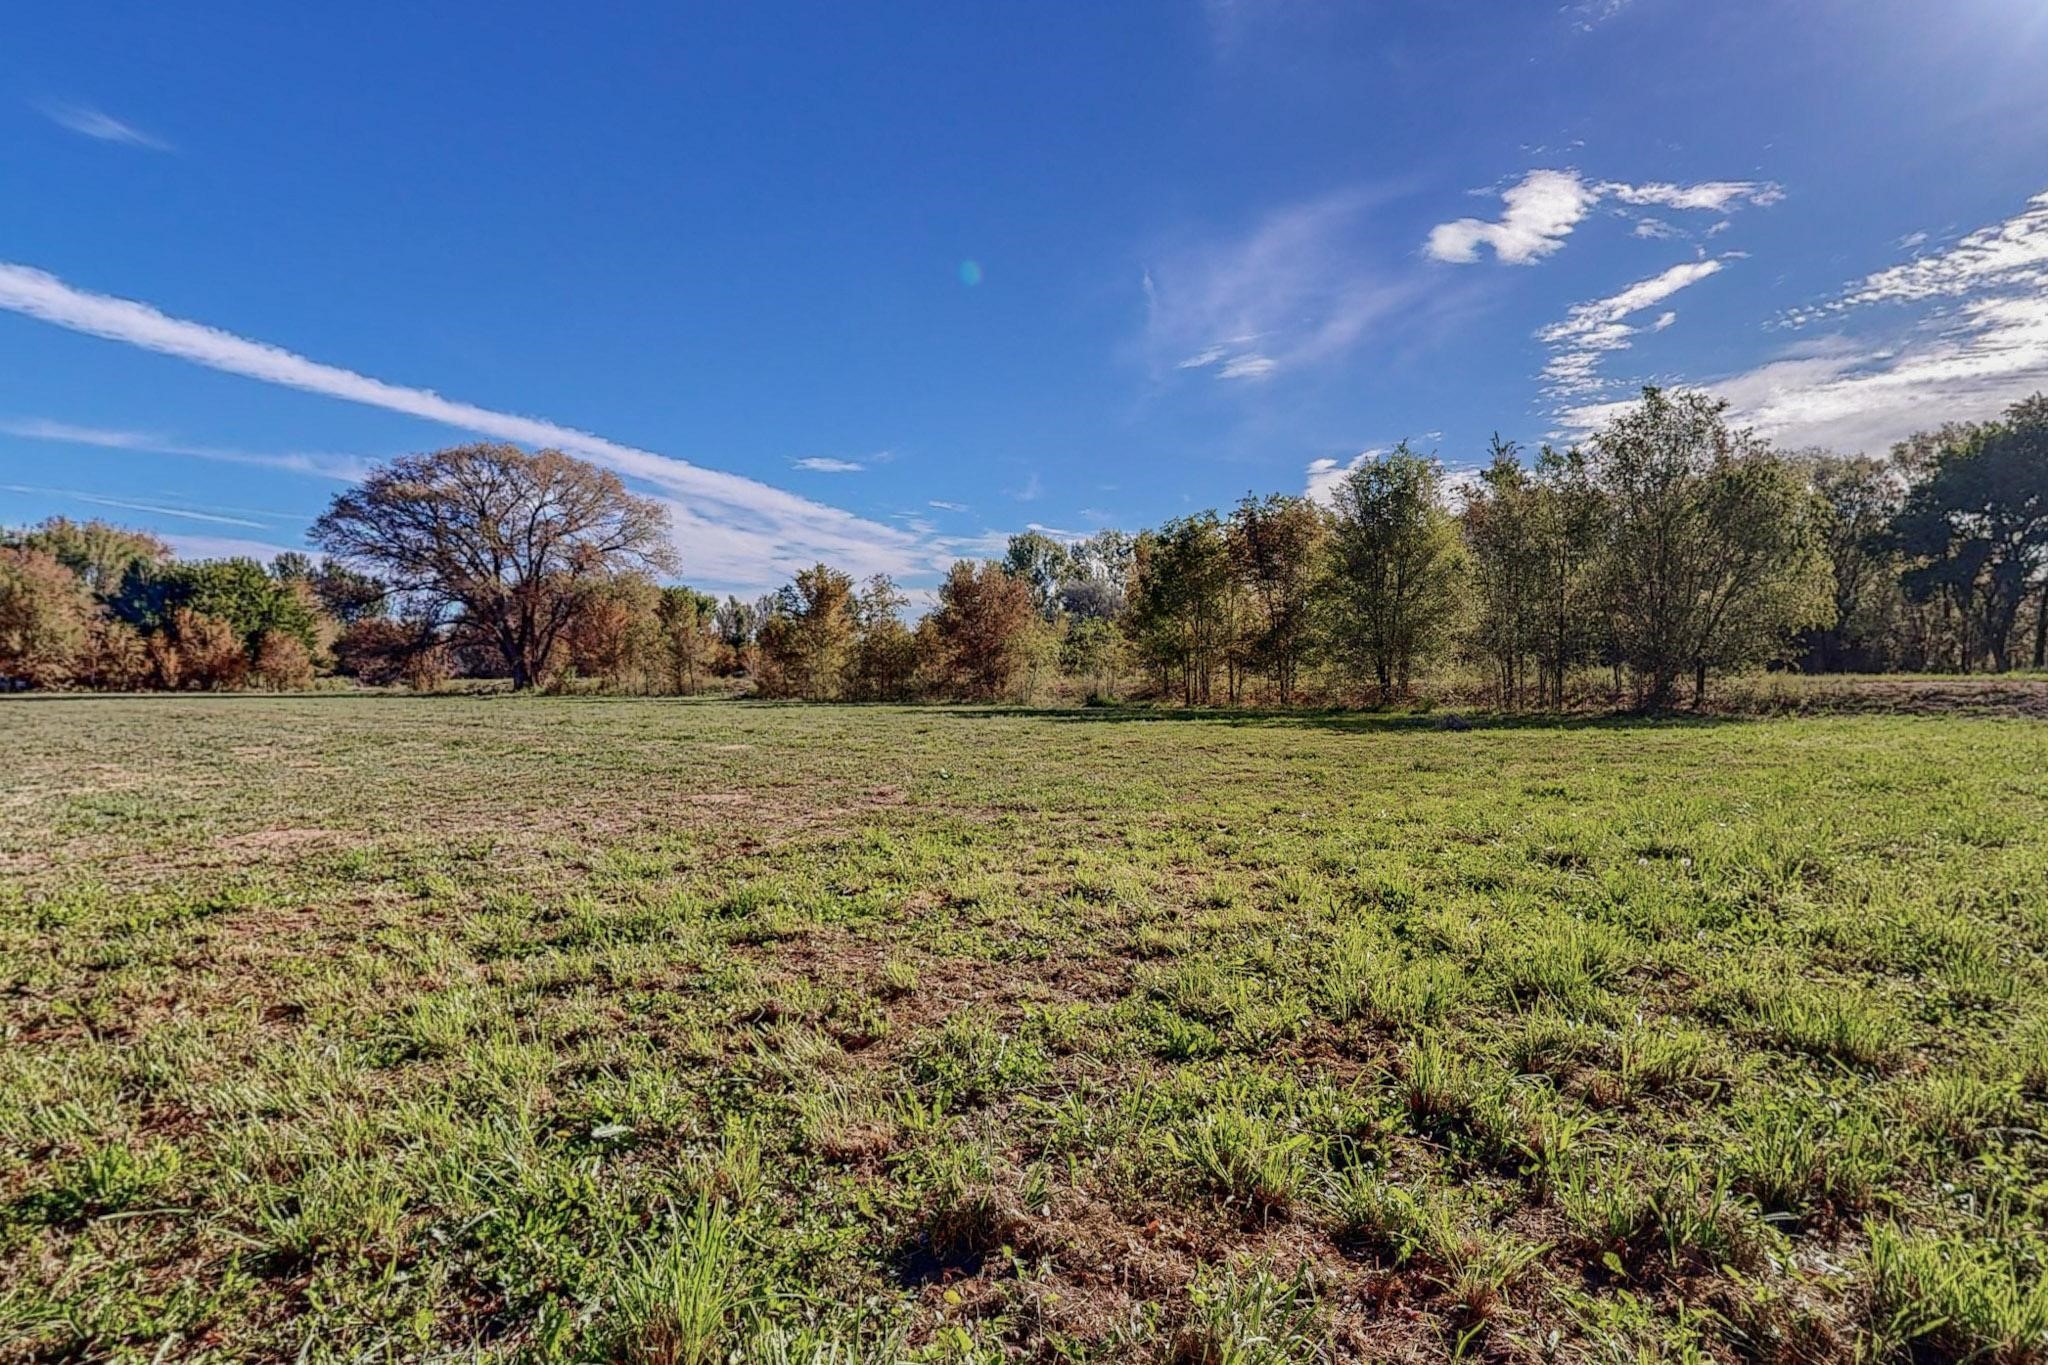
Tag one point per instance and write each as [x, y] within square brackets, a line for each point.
[380, 1027]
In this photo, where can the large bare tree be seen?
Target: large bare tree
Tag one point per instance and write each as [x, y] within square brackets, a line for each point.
[512, 544]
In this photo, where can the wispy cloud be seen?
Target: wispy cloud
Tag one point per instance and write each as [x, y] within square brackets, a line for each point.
[225, 547]
[1542, 209]
[1590, 14]
[730, 530]
[343, 468]
[1975, 341]
[945, 506]
[824, 464]
[156, 509]
[1591, 330]
[1290, 293]
[87, 121]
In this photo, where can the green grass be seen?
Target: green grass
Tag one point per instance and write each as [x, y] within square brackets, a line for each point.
[344, 1027]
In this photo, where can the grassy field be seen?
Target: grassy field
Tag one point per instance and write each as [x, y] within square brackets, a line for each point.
[378, 1027]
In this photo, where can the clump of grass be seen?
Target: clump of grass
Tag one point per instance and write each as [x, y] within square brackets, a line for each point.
[846, 1125]
[1608, 1208]
[1703, 1222]
[1821, 1021]
[1243, 1158]
[1953, 1298]
[1438, 1087]
[1525, 1126]
[1793, 1161]
[680, 1303]
[1369, 977]
[1964, 1113]
[1546, 1044]
[107, 1177]
[899, 977]
[969, 1061]
[966, 1215]
[1657, 1061]
[1244, 1314]
[1366, 1209]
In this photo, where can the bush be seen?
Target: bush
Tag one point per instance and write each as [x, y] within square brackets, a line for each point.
[44, 618]
[282, 664]
[209, 652]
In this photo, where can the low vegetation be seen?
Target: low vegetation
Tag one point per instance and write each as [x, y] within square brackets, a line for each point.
[1668, 550]
[579, 1029]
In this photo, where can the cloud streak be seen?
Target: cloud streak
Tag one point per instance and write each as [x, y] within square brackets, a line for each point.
[1589, 331]
[1978, 343]
[341, 468]
[156, 509]
[87, 121]
[1287, 295]
[1541, 210]
[730, 530]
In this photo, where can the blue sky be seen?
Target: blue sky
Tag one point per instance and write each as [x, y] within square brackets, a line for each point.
[882, 284]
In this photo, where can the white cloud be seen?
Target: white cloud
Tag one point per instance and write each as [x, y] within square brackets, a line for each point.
[1978, 345]
[945, 506]
[93, 123]
[1325, 474]
[821, 464]
[1590, 14]
[730, 530]
[1591, 330]
[2008, 255]
[1294, 285]
[342, 468]
[1715, 196]
[225, 547]
[157, 509]
[1544, 206]
[1541, 211]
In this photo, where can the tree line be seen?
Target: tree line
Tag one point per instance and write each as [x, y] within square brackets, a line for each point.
[1667, 548]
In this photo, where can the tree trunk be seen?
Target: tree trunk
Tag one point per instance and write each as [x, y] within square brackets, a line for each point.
[2041, 629]
[1699, 683]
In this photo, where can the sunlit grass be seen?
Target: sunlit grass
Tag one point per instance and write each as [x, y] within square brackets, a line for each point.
[594, 1029]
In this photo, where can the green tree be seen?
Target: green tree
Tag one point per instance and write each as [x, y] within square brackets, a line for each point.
[100, 554]
[1860, 498]
[1277, 547]
[240, 593]
[689, 636]
[1043, 564]
[884, 650]
[806, 640]
[1978, 525]
[1182, 606]
[1398, 567]
[1713, 555]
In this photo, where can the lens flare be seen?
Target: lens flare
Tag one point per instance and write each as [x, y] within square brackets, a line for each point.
[970, 273]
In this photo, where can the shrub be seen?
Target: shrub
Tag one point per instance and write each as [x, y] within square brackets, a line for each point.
[209, 653]
[282, 662]
[44, 618]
